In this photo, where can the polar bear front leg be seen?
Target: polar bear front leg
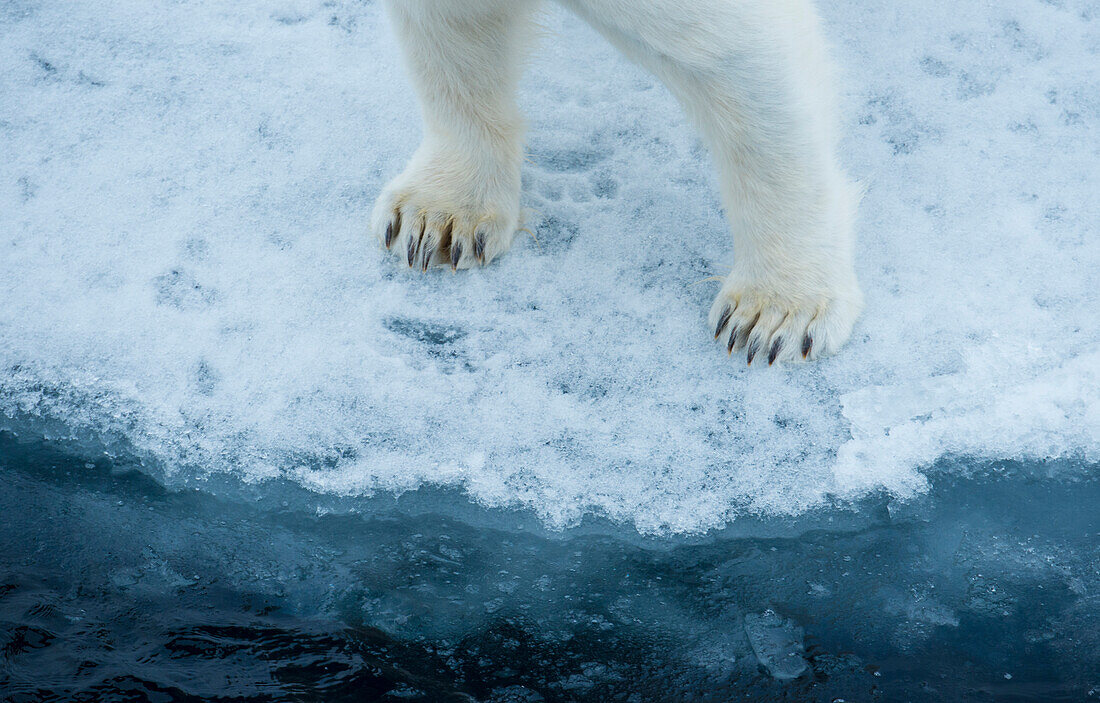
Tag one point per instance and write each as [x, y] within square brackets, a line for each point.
[457, 202]
[754, 76]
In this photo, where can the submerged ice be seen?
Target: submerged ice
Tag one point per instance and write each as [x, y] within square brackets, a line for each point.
[183, 203]
[777, 644]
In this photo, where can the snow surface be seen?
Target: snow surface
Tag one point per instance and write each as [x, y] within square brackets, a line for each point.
[184, 192]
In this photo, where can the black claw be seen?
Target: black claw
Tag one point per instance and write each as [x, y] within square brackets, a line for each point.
[722, 321]
[479, 246]
[456, 255]
[753, 348]
[426, 256]
[393, 229]
[732, 341]
[807, 343]
[747, 330]
[776, 346]
[412, 251]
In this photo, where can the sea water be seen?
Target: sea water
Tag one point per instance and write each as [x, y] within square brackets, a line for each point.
[240, 444]
[114, 588]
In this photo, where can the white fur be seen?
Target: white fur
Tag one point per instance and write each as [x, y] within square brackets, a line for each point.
[753, 75]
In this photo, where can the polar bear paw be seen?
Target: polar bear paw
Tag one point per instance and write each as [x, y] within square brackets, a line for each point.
[443, 218]
[783, 322]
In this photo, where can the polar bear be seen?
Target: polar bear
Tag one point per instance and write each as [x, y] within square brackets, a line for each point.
[753, 76]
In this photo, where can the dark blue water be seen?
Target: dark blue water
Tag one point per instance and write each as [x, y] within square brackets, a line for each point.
[116, 588]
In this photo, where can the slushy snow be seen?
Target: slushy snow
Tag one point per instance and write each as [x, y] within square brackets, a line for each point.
[184, 194]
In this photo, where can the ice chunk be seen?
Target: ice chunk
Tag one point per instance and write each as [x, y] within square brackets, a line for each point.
[777, 643]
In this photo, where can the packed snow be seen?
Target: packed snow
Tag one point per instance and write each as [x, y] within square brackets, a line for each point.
[184, 194]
